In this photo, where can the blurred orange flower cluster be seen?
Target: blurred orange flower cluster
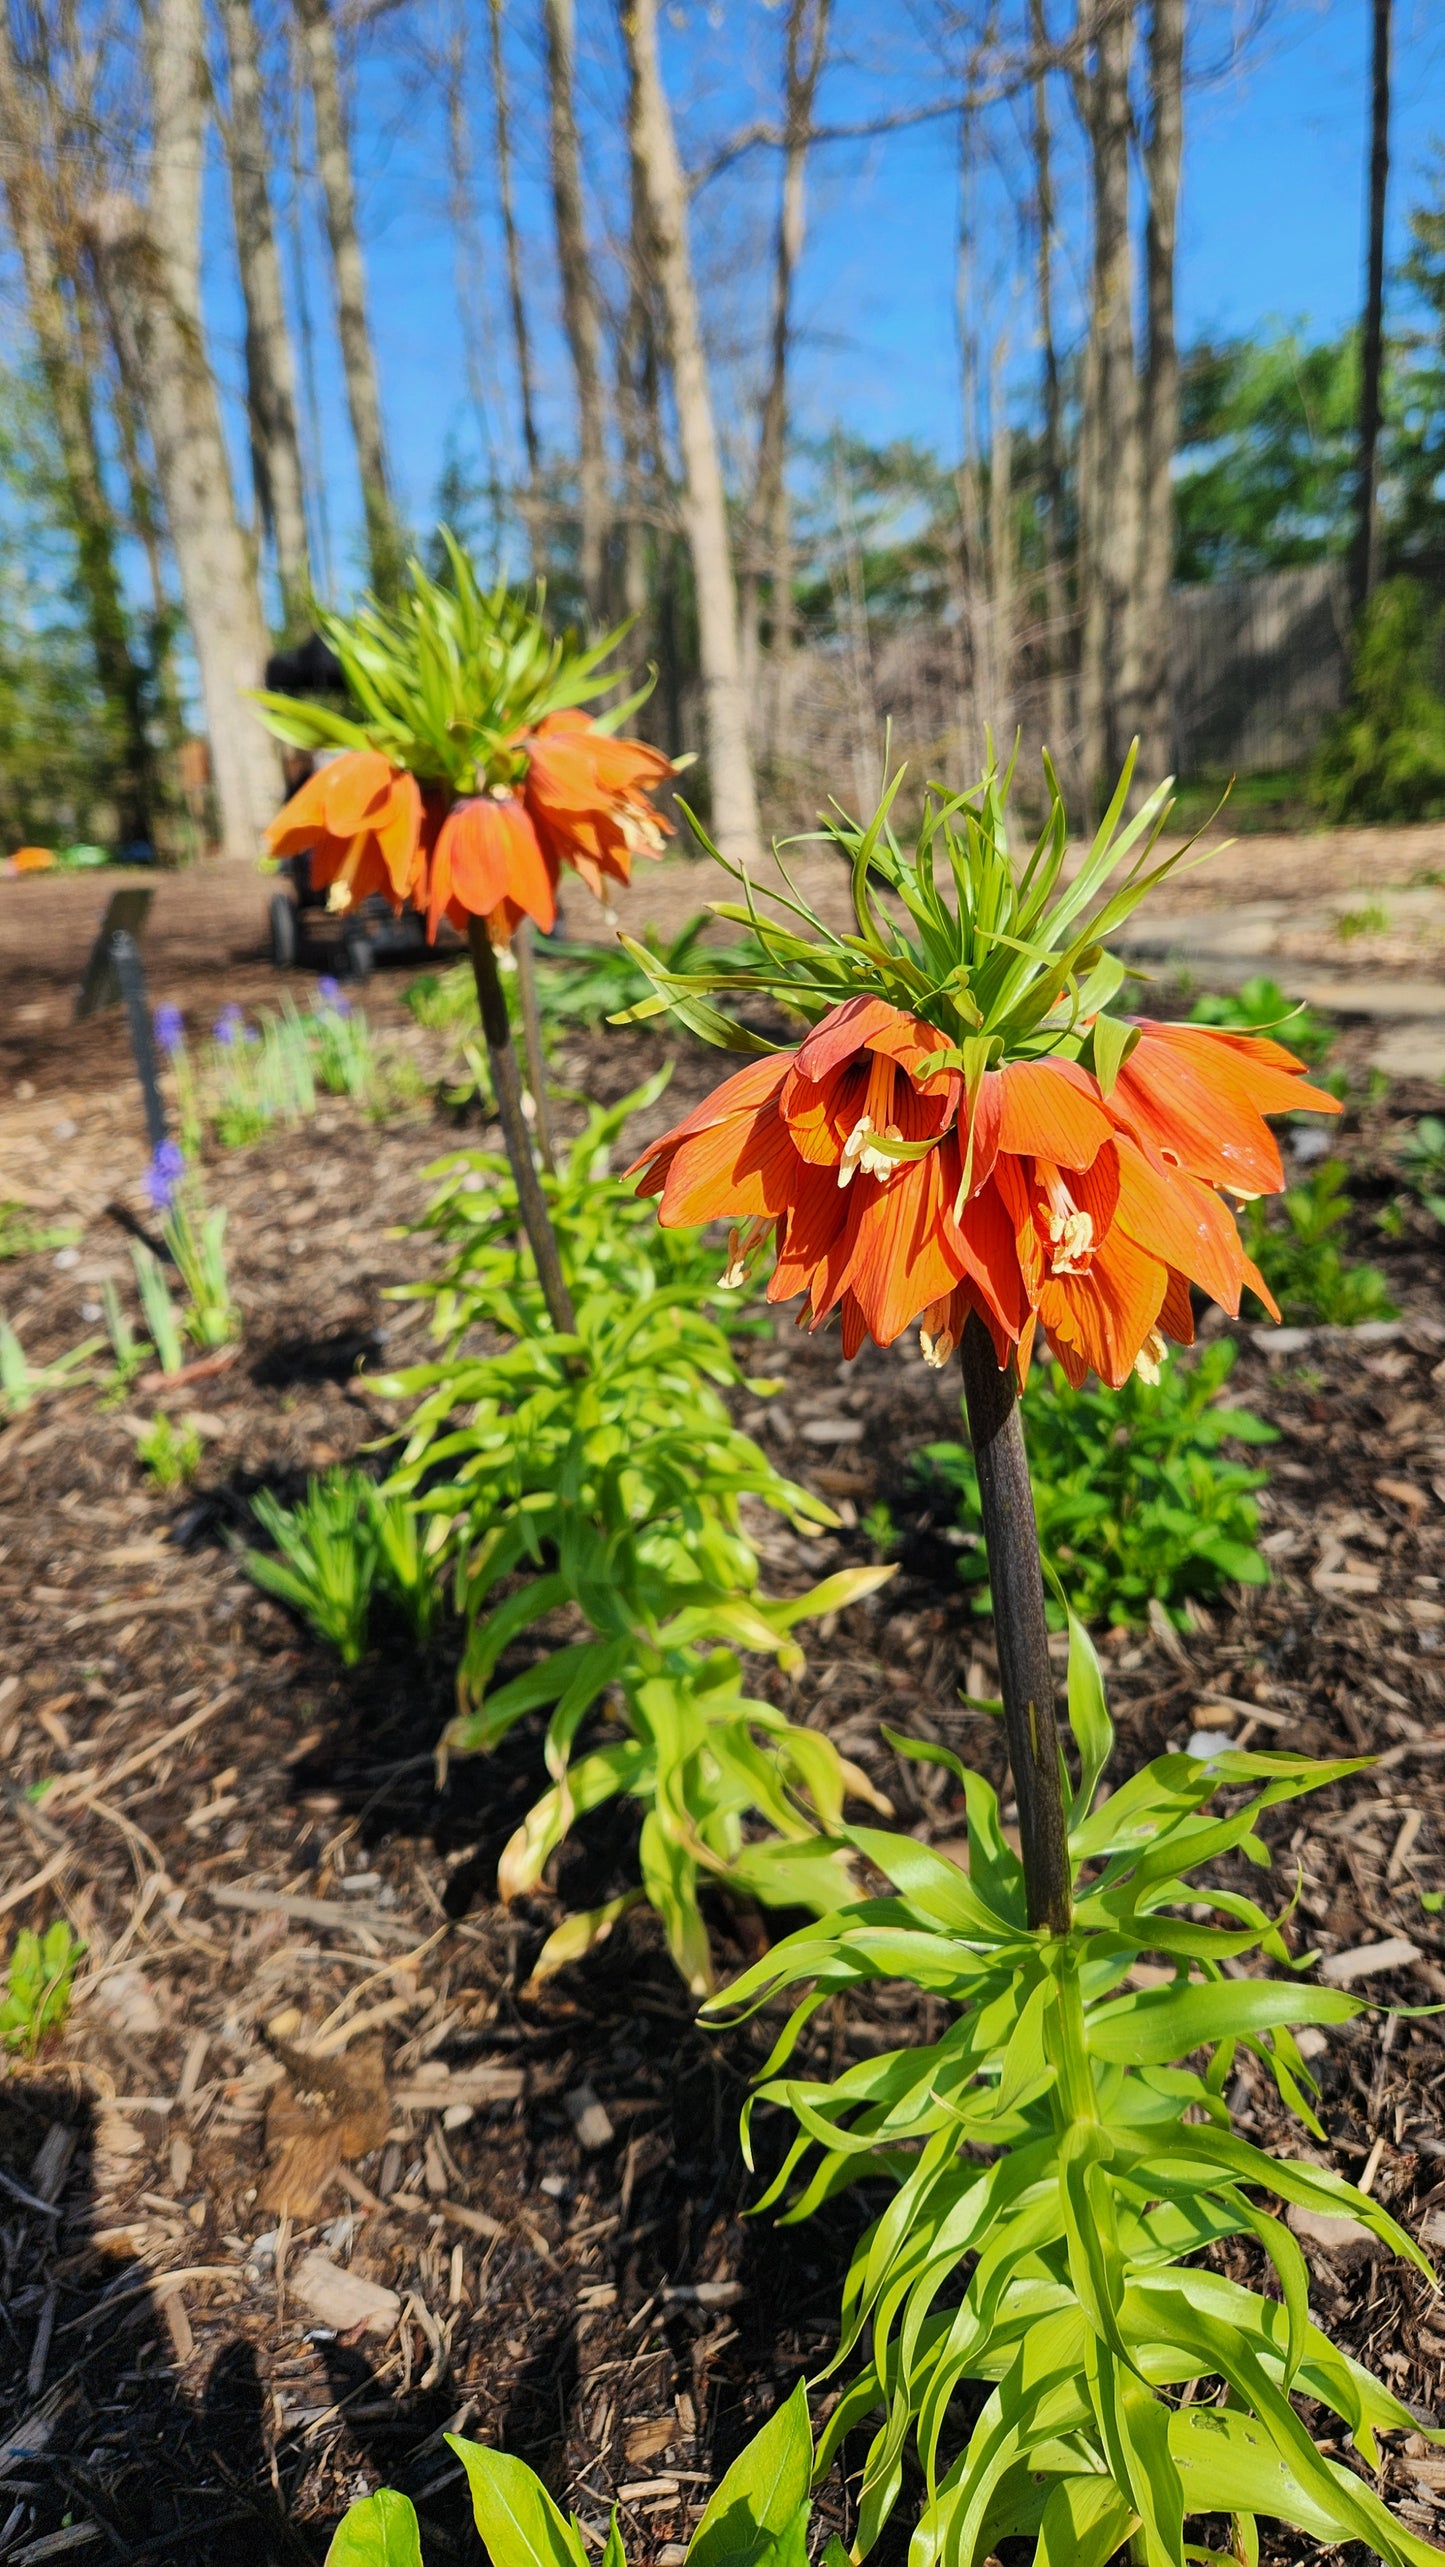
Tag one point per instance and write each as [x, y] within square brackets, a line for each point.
[368, 826]
[1047, 1203]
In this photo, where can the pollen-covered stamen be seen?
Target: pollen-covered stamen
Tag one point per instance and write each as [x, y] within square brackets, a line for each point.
[1149, 1362]
[743, 1242]
[1070, 1228]
[861, 1152]
[935, 1334]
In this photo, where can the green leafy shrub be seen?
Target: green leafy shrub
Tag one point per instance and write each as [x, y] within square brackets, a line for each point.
[1259, 1006]
[169, 1454]
[1060, 2161]
[38, 1984]
[1136, 1502]
[1383, 758]
[605, 1471]
[344, 1541]
[758, 2516]
[1295, 1242]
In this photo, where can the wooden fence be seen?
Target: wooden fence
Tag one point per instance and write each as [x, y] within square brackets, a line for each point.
[1258, 667]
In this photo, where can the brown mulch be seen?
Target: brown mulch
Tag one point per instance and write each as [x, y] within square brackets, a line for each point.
[580, 2287]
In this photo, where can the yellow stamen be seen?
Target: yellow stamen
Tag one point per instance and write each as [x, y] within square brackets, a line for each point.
[859, 1152]
[1071, 1230]
[935, 1336]
[1149, 1361]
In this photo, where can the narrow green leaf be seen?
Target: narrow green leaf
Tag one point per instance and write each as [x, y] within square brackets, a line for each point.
[380, 2531]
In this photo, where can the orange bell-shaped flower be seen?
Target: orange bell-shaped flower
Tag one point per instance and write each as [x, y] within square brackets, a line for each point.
[361, 821]
[487, 863]
[587, 794]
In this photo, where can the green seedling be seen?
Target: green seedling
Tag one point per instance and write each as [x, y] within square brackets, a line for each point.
[196, 1239]
[21, 1235]
[325, 1562]
[169, 1454]
[22, 1383]
[161, 1316]
[38, 1984]
[1296, 1244]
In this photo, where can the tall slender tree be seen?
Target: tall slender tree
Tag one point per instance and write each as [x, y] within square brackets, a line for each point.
[151, 258]
[770, 525]
[516, 299]
[270, 363]
[384, 542]
[1110, 462]
[579, 299]
[42, 236]
[704, 501]
[1160, 388]
[1365, 560]
[1053, 454]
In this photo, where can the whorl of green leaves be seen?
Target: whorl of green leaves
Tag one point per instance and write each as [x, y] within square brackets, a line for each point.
[443, 682]
[1066, 2144]
[1007, 963]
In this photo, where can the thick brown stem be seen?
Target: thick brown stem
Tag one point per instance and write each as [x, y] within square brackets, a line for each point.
[1016, 1579]
[526, 962]
[506, 1079]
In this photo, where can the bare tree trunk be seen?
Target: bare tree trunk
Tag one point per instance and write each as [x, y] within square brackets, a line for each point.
[973, 566]
[363, 399]
[1055, 594]
[1160, 432]
[469, 250]
[579, 300]
[633, 358]
[1109, 678]
[1365, 563]
[151, 261]
[729, 757]
[521, 337]
[770, 535]
[270, 366]
[1002, 550]
[68, 383]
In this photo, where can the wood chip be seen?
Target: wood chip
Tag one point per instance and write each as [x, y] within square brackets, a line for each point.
[433, 2088]
[1366, 1960]
[1410, 1826]
[178, 2325]
[1404, 1493]
[343, 2299]
[341, 1918]
[589, 2118]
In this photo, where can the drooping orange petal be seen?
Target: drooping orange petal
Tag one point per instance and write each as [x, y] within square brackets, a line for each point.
[988, 1245]
[1102, 1319]
[902, 1259]
[844, 1031]
[1182, 1221]
[1050, 1110]
[1257, 1284]
[355, 790]
[812, 1240]
[398, 835]
[1274, 1079]
[1176, 1311]
[301, 819]
[743, 1167]
[820, 1113]
[748, 1088]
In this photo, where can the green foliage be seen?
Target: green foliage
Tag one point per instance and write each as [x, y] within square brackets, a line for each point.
[345, 1541]
[576, 984]
[22, 1383]
[1372, 918]
[161, 1316]
[126, 1347]
[21, 1235]
[606, 1471]
[169, 1454]
[1136, 1503]
[1383, 758]
[1259, 1006]
[1060, 2160]
[38, 1983]
[1423, 1160]
[757, 2517]
[1267, 454]
[443, 682]
[196, 1238]
[1295, 1242]
[1005, 957]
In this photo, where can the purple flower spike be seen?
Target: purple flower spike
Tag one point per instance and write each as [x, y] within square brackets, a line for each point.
[170, 1029]
[230, 1025]
[164, 1174]
[331, 994]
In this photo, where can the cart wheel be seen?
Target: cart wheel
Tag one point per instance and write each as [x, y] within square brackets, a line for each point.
[360, 955]
[283, 932]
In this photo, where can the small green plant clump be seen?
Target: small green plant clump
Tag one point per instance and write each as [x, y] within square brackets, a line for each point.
[1297, 1244]
[1423, 1160]
[345, 1541]
[757, 2517]
[1136, 1501]
[38, 1983]
[168, 1453]
[1259, 1006]
[22, 1383]
[21, 1235]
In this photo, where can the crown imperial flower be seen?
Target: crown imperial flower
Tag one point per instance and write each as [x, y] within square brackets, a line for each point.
[1003, 1145]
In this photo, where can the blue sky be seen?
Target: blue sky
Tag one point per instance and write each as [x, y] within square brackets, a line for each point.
[1271, 216]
